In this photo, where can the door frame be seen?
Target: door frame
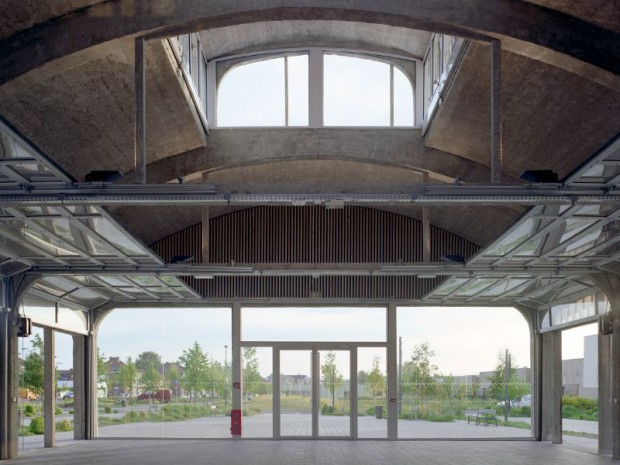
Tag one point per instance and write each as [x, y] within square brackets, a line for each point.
[315, 347]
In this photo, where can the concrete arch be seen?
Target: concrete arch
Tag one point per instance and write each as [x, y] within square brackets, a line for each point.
[525, 28]
[399, 148]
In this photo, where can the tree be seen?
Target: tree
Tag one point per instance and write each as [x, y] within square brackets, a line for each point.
[126, 376]
[150, 379]
[195, 365]
[497, 388]
[332, 379]
[215, 378]
[173, 378]
[33, 367]
[252, 380]
[419, 373]
[102, 368]
[148, 358]
[376, 380]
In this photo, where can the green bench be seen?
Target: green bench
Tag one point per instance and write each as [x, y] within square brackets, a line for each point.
[482, 416]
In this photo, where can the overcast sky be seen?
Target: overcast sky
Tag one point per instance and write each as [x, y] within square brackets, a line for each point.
[465, 340]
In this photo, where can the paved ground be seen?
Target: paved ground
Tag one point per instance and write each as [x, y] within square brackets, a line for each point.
[306, 452]
[261, 426]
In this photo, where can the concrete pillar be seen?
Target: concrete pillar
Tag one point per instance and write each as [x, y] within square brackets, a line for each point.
[609, 368]
[537, 374]
[49, 387]
[91, 412]
[4, 383]
[496, 112]
[605, 404]
[140, 113]
[79, 387]
[392, 371]
[552, 387]
[237, 369]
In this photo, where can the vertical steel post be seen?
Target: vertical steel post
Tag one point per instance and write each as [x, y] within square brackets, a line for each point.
[496, 112]
[140, 113]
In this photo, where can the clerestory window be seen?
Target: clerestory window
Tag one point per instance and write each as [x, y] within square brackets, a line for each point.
[315, 88]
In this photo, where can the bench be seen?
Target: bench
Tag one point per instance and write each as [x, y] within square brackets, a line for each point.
[482, 416]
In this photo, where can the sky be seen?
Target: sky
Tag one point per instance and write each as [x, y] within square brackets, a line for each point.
[465, 340]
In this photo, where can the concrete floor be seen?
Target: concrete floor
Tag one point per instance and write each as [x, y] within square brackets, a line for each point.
[305, 452]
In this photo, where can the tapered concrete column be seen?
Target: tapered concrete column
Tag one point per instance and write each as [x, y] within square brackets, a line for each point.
[79, 387]
[609, 369]
[5, 418]
[605, 404]
[392, 371]
[552, 387]
[49, 387]
[237, 369]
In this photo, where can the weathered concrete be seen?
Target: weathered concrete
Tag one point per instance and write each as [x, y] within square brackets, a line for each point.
[79, 387]
[231, 40]
[49, 387]
[565, 36]
[83, 116]
[545, 111]
[552, 387]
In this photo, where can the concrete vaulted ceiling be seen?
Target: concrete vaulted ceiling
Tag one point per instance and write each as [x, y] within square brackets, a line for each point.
[66, 71]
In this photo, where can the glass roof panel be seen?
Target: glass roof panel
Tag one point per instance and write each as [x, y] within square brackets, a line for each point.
[33, 171]
[474, 286]
[594, 238]
[574, 226]
[116, 236]
[504, 286]
[114, 281]
[450, 286]
[146, 281]
[513, 239]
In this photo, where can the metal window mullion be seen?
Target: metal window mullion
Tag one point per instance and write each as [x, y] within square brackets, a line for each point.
[94, 289]
[593, 250]
[391, 95]
[54, 298]
[315, 88]
[34, 248]
[286, 109]
[14, 175]
[486, 288]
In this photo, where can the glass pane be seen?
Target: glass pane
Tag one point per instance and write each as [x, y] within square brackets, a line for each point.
[313, 324]
[257, 397]
[298, 90]
[165, 373]
[403, 99]
[116, 236]
[513, 239]
[452, 373]
[371, 392]
[334, 393]
[295, 393]
[356, 91]
[252, 95]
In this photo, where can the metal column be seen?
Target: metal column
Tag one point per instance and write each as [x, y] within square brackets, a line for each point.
[392, 371]
[237, 369]
[49, 387]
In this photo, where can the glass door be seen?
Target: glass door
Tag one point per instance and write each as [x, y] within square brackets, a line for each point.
[314, 396]
[295, 394]
[334, 393]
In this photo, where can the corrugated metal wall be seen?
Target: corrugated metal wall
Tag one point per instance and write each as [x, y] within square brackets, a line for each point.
[313, 235]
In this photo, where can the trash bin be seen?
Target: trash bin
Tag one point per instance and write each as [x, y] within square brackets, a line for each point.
[379, 412]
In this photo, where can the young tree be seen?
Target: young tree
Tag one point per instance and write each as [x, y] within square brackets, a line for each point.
[376, 380]
[150, 379]
[214, 379]
[195, 364]
[173, 379]
[148, 358]
[33, 367]
[332, 379]
[102, 368]
[126, 377]
[497, 388]
[419, 372]
[252, 380]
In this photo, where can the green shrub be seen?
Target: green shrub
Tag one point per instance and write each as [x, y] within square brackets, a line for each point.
[107, 409]
[58, 411]
[37, 426]
[30, 410]
[64, 425]
[580, 403]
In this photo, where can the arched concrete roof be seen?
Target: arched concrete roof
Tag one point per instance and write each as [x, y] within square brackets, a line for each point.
[525, 28]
